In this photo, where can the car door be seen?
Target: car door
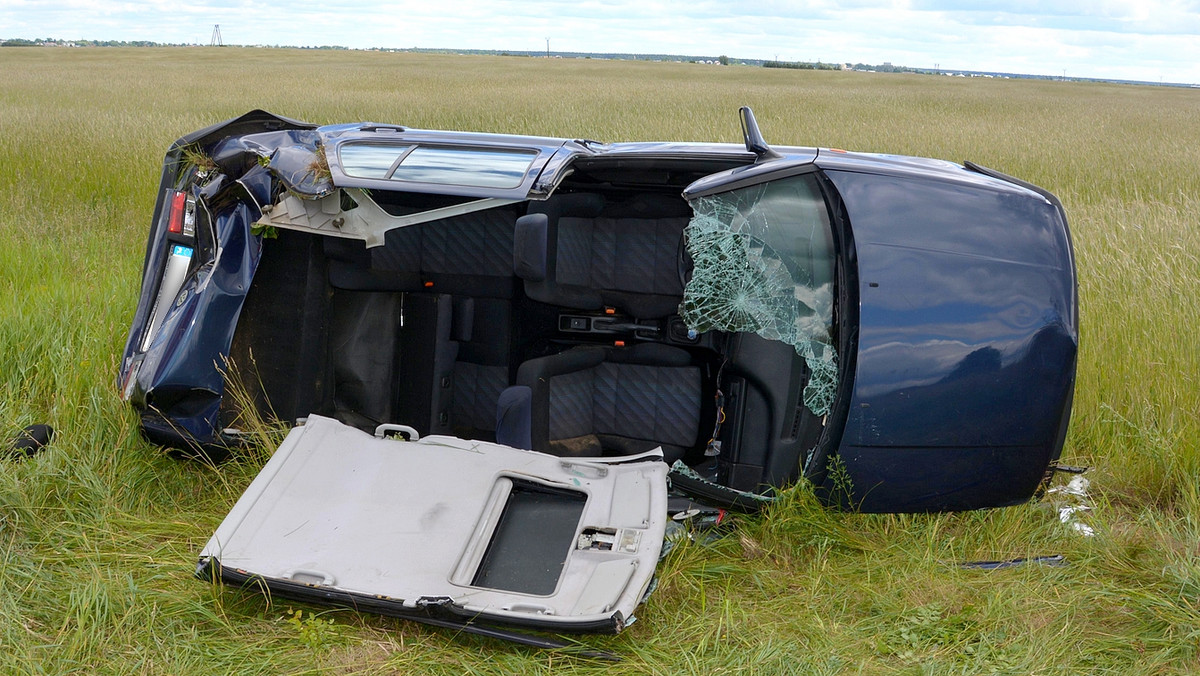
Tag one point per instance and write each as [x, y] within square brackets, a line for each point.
[766, 253]
[446, 530]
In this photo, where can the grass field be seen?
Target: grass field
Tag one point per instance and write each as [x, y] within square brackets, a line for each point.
[98, 535]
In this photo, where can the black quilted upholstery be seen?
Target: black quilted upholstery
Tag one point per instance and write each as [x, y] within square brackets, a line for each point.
[477, 388]
[482, 370]
[572, 404]
[401, 251]
[461, 255]
[657, 403]
[629, 399]
[622, 254]
[636, 255]
[478, 244]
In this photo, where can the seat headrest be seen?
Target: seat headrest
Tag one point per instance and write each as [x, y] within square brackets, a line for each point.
[529, 247]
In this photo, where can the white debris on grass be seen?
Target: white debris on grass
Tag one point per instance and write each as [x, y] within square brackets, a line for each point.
[1070, 514]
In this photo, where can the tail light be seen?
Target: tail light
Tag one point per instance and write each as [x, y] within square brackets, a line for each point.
[175, 218]
[182, 217]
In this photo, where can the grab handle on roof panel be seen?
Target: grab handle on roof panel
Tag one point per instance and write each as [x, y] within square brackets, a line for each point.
[391, 428]
[310, 577]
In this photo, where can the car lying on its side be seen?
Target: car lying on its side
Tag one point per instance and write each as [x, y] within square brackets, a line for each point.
[901, 332]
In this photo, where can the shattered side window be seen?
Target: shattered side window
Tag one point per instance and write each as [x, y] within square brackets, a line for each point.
[764, 263]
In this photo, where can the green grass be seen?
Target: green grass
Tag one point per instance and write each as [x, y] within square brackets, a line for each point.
[99, 534]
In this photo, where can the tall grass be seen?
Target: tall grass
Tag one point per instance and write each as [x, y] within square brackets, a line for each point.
[99, 533]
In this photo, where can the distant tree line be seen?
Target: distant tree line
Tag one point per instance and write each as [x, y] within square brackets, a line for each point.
[22, 42]
[55, 42]
[802, 65]
[888, 68]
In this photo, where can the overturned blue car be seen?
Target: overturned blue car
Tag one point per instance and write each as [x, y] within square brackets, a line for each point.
[901, 332]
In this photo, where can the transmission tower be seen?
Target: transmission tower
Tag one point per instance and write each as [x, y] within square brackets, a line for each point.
[216, 38]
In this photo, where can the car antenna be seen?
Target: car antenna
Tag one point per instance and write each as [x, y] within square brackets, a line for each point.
[755, 142]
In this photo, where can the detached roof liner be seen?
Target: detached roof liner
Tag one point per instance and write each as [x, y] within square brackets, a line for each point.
[447, 527]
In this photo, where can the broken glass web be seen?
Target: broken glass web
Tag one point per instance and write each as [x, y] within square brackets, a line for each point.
[763, 263]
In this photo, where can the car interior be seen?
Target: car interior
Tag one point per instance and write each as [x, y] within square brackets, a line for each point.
[549, 325]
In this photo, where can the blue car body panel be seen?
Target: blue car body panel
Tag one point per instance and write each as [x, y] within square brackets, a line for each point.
[176, 383]
[967, 336]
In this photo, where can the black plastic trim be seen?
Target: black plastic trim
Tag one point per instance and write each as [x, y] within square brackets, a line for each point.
[716, 495]
[817, 467]
[442, 614]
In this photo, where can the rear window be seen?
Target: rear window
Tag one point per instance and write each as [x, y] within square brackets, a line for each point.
[470, 167]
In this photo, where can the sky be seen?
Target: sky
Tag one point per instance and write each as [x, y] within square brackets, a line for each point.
[1149, 40]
